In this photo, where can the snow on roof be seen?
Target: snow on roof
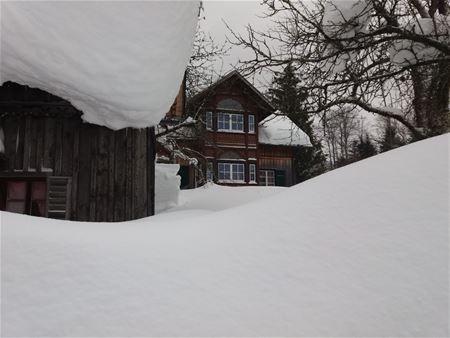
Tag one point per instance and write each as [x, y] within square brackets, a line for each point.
[360, 251]
[121, 63]
[280, 130]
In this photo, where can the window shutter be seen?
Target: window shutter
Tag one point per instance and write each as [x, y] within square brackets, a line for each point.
[58, 197]
[280, 178]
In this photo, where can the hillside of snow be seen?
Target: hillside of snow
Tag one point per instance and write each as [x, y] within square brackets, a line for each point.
[360, 251]
[120, 62]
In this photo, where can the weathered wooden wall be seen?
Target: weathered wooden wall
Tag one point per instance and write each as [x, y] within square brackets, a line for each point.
[112, 172]
[277, 158]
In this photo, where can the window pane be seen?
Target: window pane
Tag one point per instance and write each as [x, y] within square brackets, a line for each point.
[226, 121]
[237, 122]
[252, 170]
[266, 177]
[38, 191]
[238, 172]
[230, 104]
[251, 123]
[224, 171]
[17, 190]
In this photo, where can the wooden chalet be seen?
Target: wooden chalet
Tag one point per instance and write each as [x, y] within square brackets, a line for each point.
[55, 165]
[232, 111]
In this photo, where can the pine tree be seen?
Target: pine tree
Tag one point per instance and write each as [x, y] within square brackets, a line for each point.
[363, 148]
[289, 99]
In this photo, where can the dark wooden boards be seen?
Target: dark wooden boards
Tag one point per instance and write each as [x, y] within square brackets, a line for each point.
[111, 173]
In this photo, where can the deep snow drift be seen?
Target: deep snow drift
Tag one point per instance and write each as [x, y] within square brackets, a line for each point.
[213, 197]
[120, 62]
[360, 251]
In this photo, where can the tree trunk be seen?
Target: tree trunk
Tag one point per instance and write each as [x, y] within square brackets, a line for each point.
[431, 98]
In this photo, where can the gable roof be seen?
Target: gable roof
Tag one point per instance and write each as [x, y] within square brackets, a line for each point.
[226, 78]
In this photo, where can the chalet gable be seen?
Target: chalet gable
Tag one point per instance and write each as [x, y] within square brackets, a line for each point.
[232, 86]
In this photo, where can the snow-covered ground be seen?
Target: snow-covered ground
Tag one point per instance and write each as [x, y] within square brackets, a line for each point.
[360, 251]
[212, 197]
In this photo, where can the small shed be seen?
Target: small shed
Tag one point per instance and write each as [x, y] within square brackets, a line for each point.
[55, 165]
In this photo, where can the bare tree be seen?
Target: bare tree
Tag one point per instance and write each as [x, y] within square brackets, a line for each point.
[388, 57]
[339, 128]
[202, 68]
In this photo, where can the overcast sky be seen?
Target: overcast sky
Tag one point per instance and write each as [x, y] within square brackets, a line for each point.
[237, 14]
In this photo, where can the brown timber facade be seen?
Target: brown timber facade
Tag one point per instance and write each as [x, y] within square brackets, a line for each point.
[55, 165]
[231, 110]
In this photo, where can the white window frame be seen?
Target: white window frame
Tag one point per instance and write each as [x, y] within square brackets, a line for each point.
[267, 177]
[231, 172]
[230, 122]
[251, 124]
[252, 172]
[209, 120]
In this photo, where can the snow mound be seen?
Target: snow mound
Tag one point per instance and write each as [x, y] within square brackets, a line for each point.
[361, 251]
[280, 130]
[121, 63]
[213, 197]
[167, 186]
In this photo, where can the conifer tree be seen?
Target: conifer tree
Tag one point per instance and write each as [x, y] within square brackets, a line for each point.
[363, 148]
[289, 99]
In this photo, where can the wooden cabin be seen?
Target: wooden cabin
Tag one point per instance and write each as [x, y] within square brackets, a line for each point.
[55, 165]
[232, 111]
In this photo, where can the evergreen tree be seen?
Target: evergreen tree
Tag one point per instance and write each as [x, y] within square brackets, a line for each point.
[288, 99]
[363, 148]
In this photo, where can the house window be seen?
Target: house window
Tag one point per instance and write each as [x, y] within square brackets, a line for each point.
[252, 172]
[209, 120]
[251, 123]
[231, 172]
[229, 104]
[209, 172]
[230, 122]
[25, 197]
[267, 177]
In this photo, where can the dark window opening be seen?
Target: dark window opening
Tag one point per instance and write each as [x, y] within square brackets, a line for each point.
[27, 197]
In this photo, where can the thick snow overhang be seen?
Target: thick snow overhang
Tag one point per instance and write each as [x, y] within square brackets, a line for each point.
[280, 130]
[120, 63]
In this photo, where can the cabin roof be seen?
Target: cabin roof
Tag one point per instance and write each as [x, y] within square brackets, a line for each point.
[280, 130]
[124, 67]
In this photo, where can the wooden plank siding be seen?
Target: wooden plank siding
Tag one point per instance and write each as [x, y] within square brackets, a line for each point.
[111, 172]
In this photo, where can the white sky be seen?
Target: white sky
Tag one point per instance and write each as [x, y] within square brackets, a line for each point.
[237, 14]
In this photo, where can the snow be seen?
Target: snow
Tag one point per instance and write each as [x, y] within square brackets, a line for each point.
[406, 52]
[359, 251]
[213, 197]
[344, 19]
[167, 186]
[280, 130]
[121, 63]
